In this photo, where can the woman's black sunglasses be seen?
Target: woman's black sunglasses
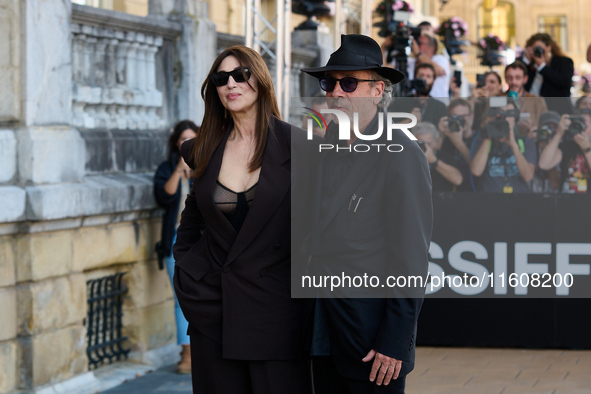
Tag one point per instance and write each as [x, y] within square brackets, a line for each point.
[348, 84]
[241, 74]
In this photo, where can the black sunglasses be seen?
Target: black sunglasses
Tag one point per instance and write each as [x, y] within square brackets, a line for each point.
[348, 84]
[241, 74]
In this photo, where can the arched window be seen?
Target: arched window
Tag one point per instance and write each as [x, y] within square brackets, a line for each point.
[498, 18]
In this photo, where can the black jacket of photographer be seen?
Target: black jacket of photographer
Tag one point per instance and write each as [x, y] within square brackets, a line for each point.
[558, 75]
[170, 202]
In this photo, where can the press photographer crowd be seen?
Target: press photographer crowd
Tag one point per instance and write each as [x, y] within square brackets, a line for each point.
[514, 133]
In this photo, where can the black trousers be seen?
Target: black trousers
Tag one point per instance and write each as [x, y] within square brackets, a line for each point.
[212, 374]
[327, 380]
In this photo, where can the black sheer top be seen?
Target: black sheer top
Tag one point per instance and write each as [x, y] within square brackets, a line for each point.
[233, 205]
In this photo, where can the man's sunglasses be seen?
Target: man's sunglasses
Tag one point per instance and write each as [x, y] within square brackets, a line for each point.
[241, 74]
[348, 84]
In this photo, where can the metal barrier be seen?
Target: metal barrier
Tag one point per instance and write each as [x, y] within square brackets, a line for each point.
[105, 342]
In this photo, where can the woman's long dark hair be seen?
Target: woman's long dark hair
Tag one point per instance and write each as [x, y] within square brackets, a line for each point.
[215, 123]
[177, 131]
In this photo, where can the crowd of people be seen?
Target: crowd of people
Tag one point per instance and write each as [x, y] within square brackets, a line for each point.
[532, 137]
[240, 233]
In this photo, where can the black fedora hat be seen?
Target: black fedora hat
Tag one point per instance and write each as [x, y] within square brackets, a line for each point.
[357, 52]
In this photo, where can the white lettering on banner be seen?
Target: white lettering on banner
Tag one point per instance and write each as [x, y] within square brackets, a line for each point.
[522, 251]
[563, 266]
[469, 267]
[525, 274]
[500, 265]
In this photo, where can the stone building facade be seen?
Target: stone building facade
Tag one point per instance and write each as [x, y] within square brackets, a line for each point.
[89, 97]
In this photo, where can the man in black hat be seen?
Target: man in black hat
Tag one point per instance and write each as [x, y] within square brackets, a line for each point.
[373, 217]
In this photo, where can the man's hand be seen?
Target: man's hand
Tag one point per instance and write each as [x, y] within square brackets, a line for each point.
[384, 368]
[510, 140]
[563, 125]
[417, 112]
[443, 125]
[456, 137]
[430, 154]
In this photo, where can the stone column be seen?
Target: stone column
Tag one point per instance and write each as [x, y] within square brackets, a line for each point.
[121, 67]
[319, 41]
[42, 303]
[130, 74]
[197, 51]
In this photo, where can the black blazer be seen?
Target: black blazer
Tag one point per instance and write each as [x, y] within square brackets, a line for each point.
[558, 77]
[389, 234]
[235, 287]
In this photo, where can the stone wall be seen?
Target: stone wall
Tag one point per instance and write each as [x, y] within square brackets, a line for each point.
[43, 295]
[76, 197]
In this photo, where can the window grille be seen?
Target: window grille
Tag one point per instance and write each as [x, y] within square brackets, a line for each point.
[104, 320]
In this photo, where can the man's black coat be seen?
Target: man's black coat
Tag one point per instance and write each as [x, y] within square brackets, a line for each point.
[388, 234]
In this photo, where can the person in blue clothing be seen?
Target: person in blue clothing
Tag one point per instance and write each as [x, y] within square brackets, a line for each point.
[171, 185]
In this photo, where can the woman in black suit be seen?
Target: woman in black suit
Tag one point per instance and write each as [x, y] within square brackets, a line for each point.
[232, 253]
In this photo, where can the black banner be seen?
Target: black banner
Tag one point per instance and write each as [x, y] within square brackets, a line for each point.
[535, 232]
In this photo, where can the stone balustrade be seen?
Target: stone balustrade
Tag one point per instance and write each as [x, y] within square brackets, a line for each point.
[114, 79]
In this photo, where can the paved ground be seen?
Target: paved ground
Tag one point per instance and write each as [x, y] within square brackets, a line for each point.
[496, 371]
[448, 371]
[162, 381]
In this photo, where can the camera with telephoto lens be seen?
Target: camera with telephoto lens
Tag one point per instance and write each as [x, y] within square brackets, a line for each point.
[499, 127]
[545, 132]
[422, 145]
[539, 51]
[401, 42]
[417, 87]
[398, 27]
[577, 125]
[455, 123]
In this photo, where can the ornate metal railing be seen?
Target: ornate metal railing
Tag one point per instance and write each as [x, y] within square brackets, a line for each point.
[105, 312]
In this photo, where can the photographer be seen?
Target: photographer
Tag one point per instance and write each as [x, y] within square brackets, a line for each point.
[490, 85]
[530, 105]
[546, 181]
[444, 176]
[425, 52]
[423, 106]
[428, 27]
[487, 85]
[571, 148]
[550, 72]
[457, 129]
[505, 163]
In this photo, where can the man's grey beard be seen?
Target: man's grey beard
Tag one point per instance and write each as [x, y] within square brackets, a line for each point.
[334, 102]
